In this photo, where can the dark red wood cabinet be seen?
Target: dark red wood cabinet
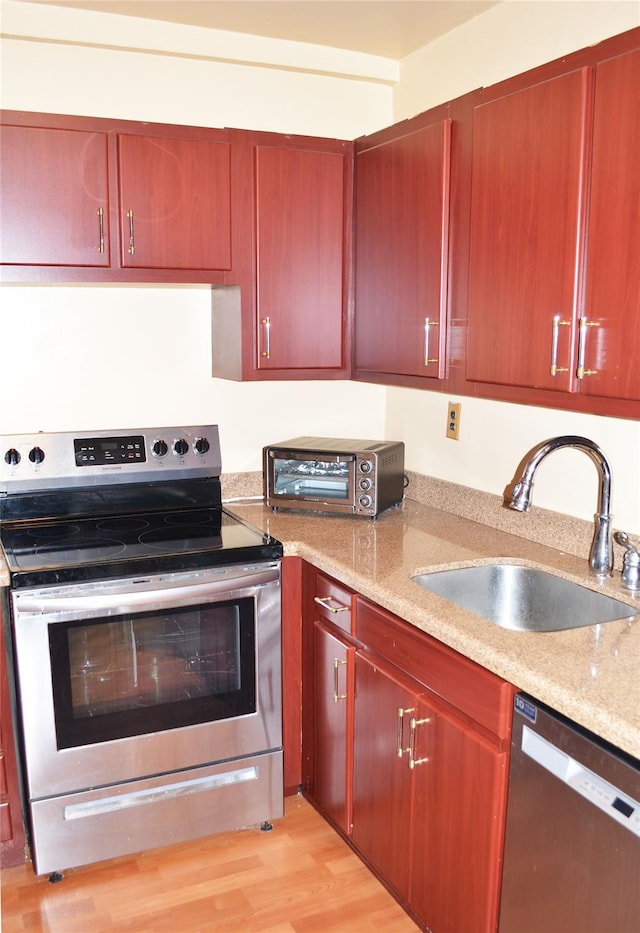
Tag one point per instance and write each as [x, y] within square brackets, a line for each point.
[402, 250]
[54, 198]
[554, 265]
[12, 835]
[174, 202]
[300, 255]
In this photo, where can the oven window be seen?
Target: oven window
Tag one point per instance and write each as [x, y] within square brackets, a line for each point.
[129, 675]
[323, 479]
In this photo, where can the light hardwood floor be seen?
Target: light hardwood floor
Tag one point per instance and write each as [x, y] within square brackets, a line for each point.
[299, 878]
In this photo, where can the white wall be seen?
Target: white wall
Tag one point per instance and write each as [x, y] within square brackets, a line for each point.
[507, 40]
[64, 367]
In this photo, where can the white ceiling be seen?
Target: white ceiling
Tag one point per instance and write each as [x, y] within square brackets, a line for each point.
[390, 28]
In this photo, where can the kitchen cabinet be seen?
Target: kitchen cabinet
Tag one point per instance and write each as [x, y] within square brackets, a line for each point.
[402, 194]
[290, 319]
[611, 321]
[95, 200]
[328, 696]
[431, 733]
[174, 202]
[54, 200]
[12, 836]
[554, 304]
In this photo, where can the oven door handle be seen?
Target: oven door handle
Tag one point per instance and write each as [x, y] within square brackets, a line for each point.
[173, 596]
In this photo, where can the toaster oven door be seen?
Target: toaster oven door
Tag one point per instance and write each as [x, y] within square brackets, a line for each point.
[302, 480]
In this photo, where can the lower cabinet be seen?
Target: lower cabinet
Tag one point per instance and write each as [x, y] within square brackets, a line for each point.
[412, 740]
[12, 836]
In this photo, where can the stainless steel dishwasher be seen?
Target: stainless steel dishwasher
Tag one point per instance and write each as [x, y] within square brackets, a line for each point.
[572, 845]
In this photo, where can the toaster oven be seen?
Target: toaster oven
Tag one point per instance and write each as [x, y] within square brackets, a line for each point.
[336, 475]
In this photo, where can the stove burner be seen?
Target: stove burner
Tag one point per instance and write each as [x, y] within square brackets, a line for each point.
[51, 532]
[188, 539]
[82, 550]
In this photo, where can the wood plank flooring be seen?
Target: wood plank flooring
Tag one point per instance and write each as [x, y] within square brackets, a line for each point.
[299, 878]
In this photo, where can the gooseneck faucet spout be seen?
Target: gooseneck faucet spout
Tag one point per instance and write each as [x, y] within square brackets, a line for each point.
[601, 554]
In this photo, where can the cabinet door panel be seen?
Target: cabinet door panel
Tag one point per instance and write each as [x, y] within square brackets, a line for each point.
[401, 265]
[333, 710]
[459, 816]
[527, 199]
[382, 780]
[612, 344]
[54, 186]
[300, 258]
[175, 203]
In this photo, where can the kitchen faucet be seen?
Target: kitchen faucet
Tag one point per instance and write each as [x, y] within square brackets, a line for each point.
[601, 553]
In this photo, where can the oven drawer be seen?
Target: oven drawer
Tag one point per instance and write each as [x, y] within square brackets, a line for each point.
[89, 826]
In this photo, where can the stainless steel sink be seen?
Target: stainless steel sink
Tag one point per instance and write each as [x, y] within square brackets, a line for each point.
[523, 598]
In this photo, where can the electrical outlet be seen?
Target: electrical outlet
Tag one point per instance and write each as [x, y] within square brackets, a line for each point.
[453, 420]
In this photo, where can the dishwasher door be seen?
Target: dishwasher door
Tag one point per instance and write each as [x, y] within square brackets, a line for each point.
[572, 844]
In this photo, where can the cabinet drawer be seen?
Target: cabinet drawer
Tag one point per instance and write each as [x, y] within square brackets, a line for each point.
[481, 695]
[332, 601]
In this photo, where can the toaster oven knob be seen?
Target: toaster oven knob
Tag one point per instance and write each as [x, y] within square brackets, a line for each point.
[36, 455]
[364, 502]
[201, 445]
[181, 447]
[159, 449]
[365, 483]
[365, 466]
[12, 457]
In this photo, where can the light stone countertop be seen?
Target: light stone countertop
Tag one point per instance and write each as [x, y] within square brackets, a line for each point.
[590, 674]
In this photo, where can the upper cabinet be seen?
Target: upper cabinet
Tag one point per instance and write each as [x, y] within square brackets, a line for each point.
[402, 250]
[610, 324]
[54, 207]
[90, 200]
[291, 318]
[554, 267]
[174, 203]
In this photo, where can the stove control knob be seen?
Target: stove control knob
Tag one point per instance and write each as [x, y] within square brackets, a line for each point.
[181, 447]
[159, 449]
[36, 455]
[12, 457]
[201, 445]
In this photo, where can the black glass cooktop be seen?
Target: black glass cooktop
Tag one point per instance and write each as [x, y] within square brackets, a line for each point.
[87, 548]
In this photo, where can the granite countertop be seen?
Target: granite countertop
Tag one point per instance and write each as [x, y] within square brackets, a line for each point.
[590, 674]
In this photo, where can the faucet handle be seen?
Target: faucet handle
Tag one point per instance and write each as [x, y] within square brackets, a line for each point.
[631, 562]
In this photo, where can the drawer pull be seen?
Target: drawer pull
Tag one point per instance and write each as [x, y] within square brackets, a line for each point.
[400, 714]
[337, 696]
[324, 602]
[413, 726]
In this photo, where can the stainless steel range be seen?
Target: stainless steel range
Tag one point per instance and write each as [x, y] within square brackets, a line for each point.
[145, 626]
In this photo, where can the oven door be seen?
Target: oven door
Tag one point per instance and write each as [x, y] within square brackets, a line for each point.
[134, 678]
[299, 480]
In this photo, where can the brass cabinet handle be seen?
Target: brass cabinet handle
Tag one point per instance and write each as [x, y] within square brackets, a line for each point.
[581, 372]
[400, 714]
[337, 696]
[413, 725]
[266, 323]
[132, 245]
[100, 213]
[556, 324]
[324, 602]
[428, 323]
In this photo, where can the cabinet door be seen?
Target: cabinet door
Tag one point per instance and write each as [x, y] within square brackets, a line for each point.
[526, 215]
[611, 325]
[333, 739]
[382, 779]
[12, 837]
[175, 203]
[300, 258]
[460, 794]
[401, 253]
[54, 207]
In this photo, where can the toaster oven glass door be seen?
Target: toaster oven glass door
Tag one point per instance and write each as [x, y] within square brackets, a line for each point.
[303, 477]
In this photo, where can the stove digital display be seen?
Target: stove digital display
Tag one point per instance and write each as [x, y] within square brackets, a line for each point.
[105, 451]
